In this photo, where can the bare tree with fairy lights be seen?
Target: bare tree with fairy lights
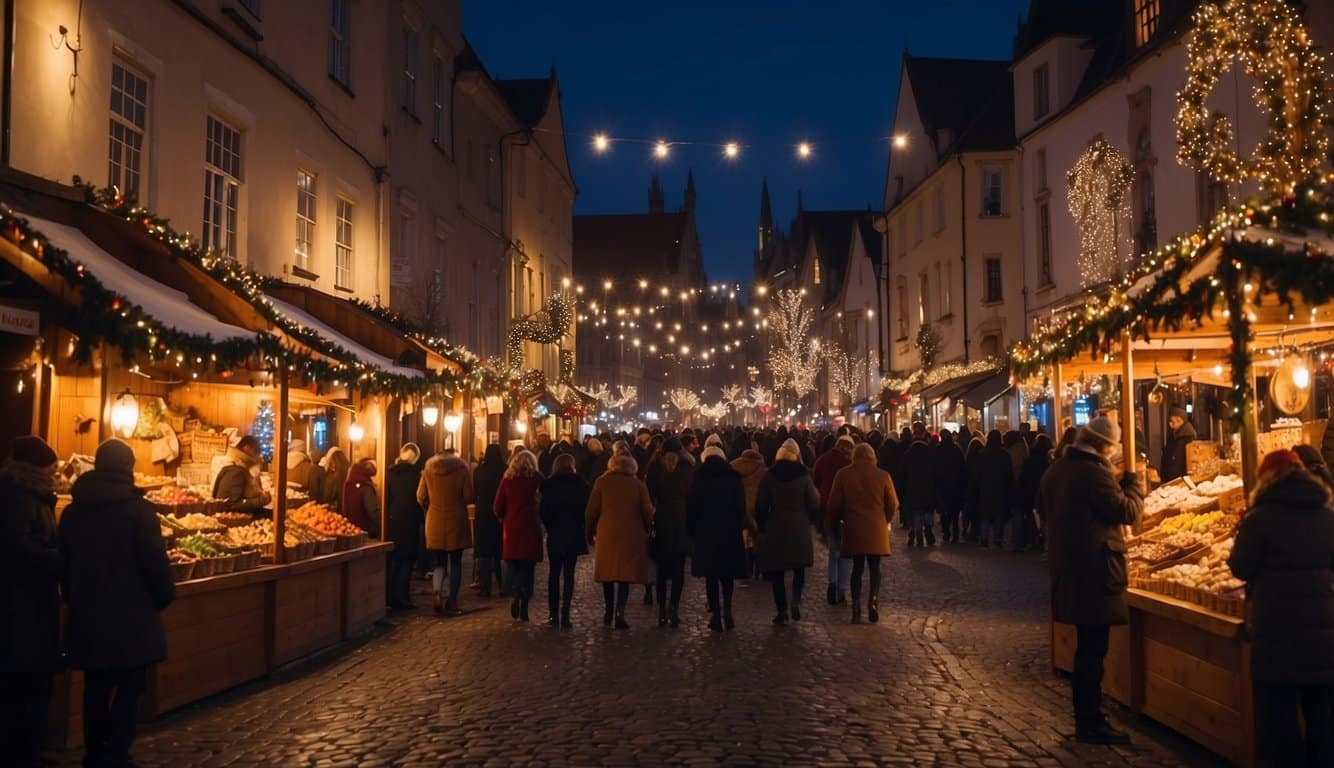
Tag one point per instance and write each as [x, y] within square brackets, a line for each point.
[846, 371]
[1097, 187]
[794, 358]
[684, 400]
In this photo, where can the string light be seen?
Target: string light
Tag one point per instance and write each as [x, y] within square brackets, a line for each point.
[804, 150]
[731, 149]
[601, 143]
[1097, 186]
[661, 149]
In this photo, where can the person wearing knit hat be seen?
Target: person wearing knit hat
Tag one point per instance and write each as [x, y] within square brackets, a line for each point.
[716, 519]
[302, 471]
[28, 589]
[786, 506]
[116, 584]
[713, 439]
[668, 480]
[1085, 505]
[403, 524]
[712, 451]
[1282, 551]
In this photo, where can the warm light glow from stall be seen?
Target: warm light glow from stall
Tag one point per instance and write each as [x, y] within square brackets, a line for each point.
[125, 414]
[355, 432]
[453, 421]
[430, 414]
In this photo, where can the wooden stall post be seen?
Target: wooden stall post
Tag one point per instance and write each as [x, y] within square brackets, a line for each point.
[1250, 435]
[280, 468]
[1058, 403]
[1127, 404]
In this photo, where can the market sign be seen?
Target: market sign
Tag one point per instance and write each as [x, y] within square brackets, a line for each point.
[21, 321]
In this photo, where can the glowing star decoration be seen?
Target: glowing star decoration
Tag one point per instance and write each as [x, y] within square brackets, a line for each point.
[1274, 49]
[804, 150]
[794, 360]
[601, 143]
[1097, 187]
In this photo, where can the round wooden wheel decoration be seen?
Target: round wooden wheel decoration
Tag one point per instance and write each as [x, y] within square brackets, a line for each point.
[1270, 41]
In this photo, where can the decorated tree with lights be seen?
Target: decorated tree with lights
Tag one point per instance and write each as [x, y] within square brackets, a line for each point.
[684, 400]
[734, 395]
[847, 371]
[624, 397]
[717, 412]
[263, 427]
[794, 358]
[1097, 187]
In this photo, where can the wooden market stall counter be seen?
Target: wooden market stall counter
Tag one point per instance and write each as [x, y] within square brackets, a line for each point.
[226, 630]
[1181, 664]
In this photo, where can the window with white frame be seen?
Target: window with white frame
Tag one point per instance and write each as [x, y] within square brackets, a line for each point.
[993, 192]
[305, 217]
[343, 243]
[129, 124]
[438, 123]
[1041, 91]
[992, 289]
[410, 69]
[946, 290]
[901, 296]
[222, 187]
[340, 56]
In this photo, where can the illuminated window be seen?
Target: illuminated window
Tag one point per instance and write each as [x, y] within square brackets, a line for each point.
[923, 298]
[901, 296]
[129, 121]
[1146, 21]
[222, 186]
[1041, 92]
[343, 244]
[305, 217]
[816, 270]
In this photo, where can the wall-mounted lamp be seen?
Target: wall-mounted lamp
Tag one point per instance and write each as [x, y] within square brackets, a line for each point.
[125, 414]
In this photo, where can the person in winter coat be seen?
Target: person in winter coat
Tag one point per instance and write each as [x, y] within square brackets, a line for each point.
[489, 533]
[1315, 464]
[668, 482]
[889, 457]
[445, 490]
[361, 503]
[1085, 505]
[236, 484]
[863, 501]
[596, 461]
[716, 518]
[619, 520]
[1030, 479]
[116, 583]
[918, 493]
[403, 522]
[1284, 551]
[951, 473]
[995, 490]
[563, 497]
[336, 466]
[302, 472]
[972, 459]
[786, 507]
[516, 506]
[30, 568]
[826, 467]
[750, 465]
[1180, 433]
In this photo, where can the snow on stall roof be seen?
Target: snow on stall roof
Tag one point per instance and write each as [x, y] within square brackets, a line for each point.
[360, 351]
[166, 305]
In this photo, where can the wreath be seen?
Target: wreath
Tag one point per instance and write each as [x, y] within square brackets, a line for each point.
[1268, 37]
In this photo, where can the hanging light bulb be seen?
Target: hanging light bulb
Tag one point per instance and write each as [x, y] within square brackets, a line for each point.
[125, 414]
[430, 413]
[1301, 376]
[453, 420]
[356, 432]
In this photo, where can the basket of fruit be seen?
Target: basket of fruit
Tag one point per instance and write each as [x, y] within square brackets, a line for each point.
[182, 565]
[233, 519]
[328, 523]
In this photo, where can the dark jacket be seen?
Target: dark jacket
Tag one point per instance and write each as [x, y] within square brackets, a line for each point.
[786, 507]
[1174, 452]
[951, 476]
[593, 466]
[361, 503]
[29, 575]
[1285, 553]
[116, 579]
[1085, 506]
[235, 485]
[918, 491]
[667, 488]
[404, 516]
[564, 497]
[488, 534]
[1030, 480]
[822, 474]
[715, 518]
[995, 484]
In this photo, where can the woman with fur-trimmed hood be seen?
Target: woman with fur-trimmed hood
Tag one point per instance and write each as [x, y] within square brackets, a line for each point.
[445, 491]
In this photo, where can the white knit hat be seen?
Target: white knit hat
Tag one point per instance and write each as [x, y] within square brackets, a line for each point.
[711, 451]
[713, 439]
[1104, 428]
[788, 451]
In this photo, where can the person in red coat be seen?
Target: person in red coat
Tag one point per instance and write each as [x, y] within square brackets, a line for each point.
[361, 502]
[521, 547]
[826, 467]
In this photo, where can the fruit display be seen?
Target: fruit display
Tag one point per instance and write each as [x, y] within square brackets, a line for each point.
[306, 534]
[175, 496]
[200, 522]
[259, 534]
[1187, 521]
[176, 556]
[200, 546]
[1154, 552]
[234, 519]
[1210, 574]
[324, 520]
[1166, 497]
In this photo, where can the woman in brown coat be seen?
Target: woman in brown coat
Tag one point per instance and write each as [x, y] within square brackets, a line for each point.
[750, 465]
[446, 490]
[863, 504]
[619, 517]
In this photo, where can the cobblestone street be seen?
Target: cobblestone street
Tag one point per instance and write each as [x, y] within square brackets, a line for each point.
[955, 673]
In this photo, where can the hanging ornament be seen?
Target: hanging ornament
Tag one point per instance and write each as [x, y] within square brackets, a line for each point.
[1290, 386]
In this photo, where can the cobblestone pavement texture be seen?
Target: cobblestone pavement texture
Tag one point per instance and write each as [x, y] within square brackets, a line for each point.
[956, 673]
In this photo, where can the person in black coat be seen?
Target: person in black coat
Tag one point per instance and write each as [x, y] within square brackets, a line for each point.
[29, 592]
[951, 473]
[972, 459]
[562, 500]
[488, 534]
[116, 582]
[1030, 479]
[995, 490]
[1284, 551]
[918, 494]
[890, 459]
[668, 482]
[715, 518]
[403, 526]
[1181, 433]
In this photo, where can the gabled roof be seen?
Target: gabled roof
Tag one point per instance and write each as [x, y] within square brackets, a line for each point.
[528, 98]
[831, 231]
[971, 98]
[1052, 18]
[631, 244]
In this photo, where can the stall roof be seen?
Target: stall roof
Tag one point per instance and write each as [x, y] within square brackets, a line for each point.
[167, 305]
[358, 351]
[987, 390]
[953, 387]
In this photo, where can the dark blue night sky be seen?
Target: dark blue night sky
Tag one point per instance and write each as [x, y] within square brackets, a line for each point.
[765, 74]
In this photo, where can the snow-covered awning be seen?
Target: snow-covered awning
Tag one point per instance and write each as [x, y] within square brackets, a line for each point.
[166, 305]
[359, 351]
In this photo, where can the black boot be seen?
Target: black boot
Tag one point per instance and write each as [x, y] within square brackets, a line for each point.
[674, 616]
[514, 608]
[565, 615]
[831, 594]
[781, 619]
[796, 609]
[856, 610]
[728, 622]
[872, 608]
[648, 594]
[715, 623]
[523, 609]
[662, 614]
[930, 537]
[620, 621]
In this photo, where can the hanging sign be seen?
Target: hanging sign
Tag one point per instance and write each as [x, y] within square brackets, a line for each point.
[21, 321]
